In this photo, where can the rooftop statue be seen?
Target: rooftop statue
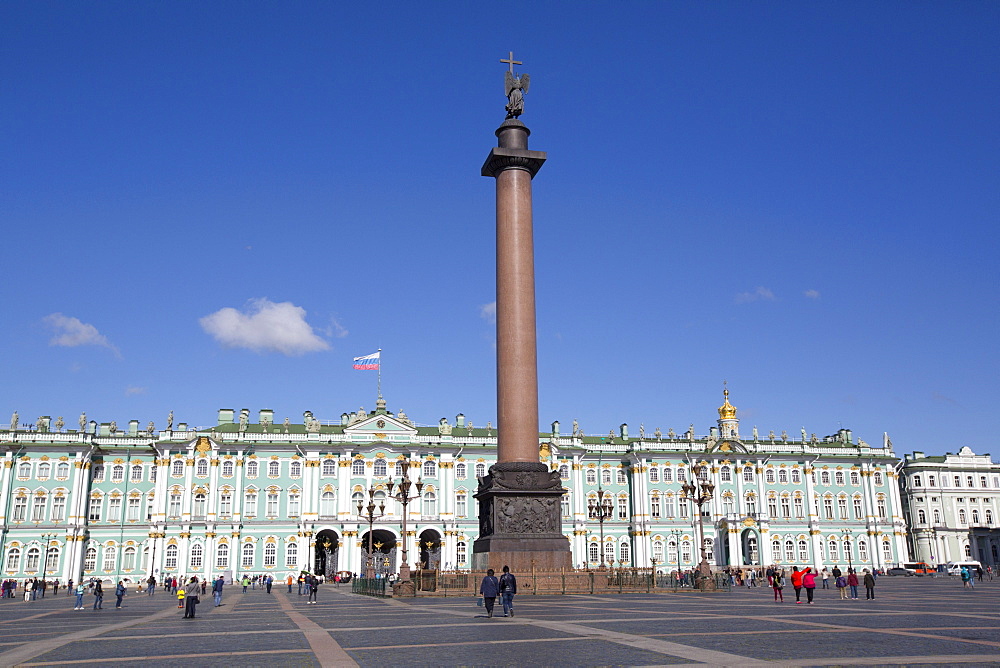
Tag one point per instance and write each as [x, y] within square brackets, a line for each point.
[515, 87]
[14, 419]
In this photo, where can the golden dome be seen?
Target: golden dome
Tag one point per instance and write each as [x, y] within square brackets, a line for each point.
[727, 411]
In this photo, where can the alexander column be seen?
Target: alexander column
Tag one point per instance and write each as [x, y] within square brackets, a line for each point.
[519, 501]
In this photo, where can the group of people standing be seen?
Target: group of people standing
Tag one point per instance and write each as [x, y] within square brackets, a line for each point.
[805, 579]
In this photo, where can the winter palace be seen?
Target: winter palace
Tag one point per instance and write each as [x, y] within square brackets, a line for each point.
[265, 497]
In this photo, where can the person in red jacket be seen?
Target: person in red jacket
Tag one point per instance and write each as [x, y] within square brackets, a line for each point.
[852, 582]
[809, 582]
[797, 584]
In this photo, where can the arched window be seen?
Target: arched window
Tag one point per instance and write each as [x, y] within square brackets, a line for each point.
[624, 553]
[480, 470]
[839, 477]
[24, 471]
[968, 551]
[358, 468]
[201, 469]
[291, 555]
[658, 551]
[90, 558]
[863, 549]
[564, 472]
[137, 473]
[751, 504]
[855, 478]
[728, 505]
[668, 474]
[878, 478]
[921, 517]
[199, 506]
[13, 559]
[782, 476]
[227, 468]
[789, 550]
[776, 551]
[247, 555]
[796, 477]
[593, 552]
[654, 474]
[975, 516]
[329, 467]
[769, 476]
[726, 474]
[295, 469]
[824, 477]
[460, 471]
[62, 470]
[174, 509]
[747, 474]
[52, 559]
[327, 504]
[270, 554]
[273, 469]
[430, 469]
[43, 470]
[686, 551]
[803, 550]
[605, 476]
[31, 559]
[591, 476]
[252, 468]
[110, 556]
[609, 552]
[177, 468]
[381, 469]
[461, 550]
[989, 516]
[622, 478]
[833, 550]
[197, 556]
[886, 551]
[430, 504]
[961, 516]
[937, 516]
[222, 556]
[401, 468]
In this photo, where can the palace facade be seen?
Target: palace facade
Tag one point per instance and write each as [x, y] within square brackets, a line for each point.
[261, 497]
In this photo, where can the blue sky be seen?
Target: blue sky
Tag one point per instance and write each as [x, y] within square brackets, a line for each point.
[218, 205]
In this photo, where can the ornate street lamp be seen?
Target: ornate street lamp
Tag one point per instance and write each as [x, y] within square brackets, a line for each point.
[600, 510]
[847, 547]
[403, 496]
[700, 491]
[370, 516]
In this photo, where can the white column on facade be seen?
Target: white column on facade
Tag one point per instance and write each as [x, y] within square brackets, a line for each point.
[212, 500]
[642, 534]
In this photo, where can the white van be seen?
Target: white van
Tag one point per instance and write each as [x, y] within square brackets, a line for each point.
[955, 567]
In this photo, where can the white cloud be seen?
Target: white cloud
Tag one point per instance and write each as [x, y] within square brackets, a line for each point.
[70, 332]
[336, 330]
[488, 312]
[812, 294]
[761, 293]
[132, 390]
[264, 326]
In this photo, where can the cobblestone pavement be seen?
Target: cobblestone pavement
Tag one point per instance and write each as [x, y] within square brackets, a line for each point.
[914, 621]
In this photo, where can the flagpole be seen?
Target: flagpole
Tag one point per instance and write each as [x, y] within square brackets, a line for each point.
[379, 373]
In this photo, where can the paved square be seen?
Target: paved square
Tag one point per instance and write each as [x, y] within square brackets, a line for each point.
[914, 621]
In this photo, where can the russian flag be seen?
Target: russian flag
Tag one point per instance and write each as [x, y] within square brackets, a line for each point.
[368, 362]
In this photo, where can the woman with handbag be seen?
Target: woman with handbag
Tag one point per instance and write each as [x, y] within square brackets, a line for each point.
[191, 599]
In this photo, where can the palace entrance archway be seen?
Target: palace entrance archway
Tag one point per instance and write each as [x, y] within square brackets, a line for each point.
[383, 552]
[430, 549]
[326, 556]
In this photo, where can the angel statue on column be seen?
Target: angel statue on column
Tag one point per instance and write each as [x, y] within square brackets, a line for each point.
[515, 87]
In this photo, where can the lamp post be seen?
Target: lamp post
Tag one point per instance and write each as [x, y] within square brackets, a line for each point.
[700, 491]
[368, 515]
[46, 539]
[403, 496]
[847, 548]
[677, 533]
[600, 510]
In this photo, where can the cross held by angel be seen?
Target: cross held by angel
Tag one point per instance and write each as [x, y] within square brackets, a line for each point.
[515, 87]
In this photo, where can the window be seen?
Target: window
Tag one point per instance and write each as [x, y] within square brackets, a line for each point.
[654, 474]
[751, 504]
[958, 481]
[52, 559]
[931, 481]
[38, 509]
[149, 506]
[59, 509]
[202, 468]
[480, 470]
[609, 552]
[294, 503]
[295, 469]
[133, 508]
[833, 550]
[782, 476]
[137, 473]
[968, 481]
[658, 551]
[381, 469]
[227, 468]
[98, 471]
[772, 507]
[789, 550]
[90, 558]
[838, 477]
[624, 553]
[174, 511]
[878, 478]
[728, 505]
[989, 516]
[968, 551]
[828, 509]
[24, 471]
[622, 508]
[654, 507]
[842, 507]
[769, 476]
[43, 470]
[803, 551]
[198, 510]
[681, 475]
[327, 505]
[668, 507]
[460, 471]
[291, 555]
[668, 474]
[250, 503]
[14, 559]
[982, 481]
[460, 552]
[177, 468]
[880, 507]
[564, 472]
[593, 553]
[430, 504]
[622, 478]
[272, 505]
[461, 505]
[796, 476]
[776, 551]
[110, 555]
[329, 467]
[95, 510]
[786, 507]
[683, 505]
[916, 481]
[686, 551]
[799, 510]
[605, 476]
[858, 510]
[591, 477]
[824, 477]
[921, 517]
[226, 504]
[222, 556]
[358, 468]
[863, 549]
[62, 470]
[115, 509]
[273, 469]
[747, 474]
[430, 469]
[937, 516]
[672, 551]
[270, 555]
[197, 556]
[247, 555]
[726, 474]
[252, 468]
[564, 505]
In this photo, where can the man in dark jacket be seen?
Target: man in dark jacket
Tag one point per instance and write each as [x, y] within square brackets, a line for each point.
[489, 589]
[508, 587]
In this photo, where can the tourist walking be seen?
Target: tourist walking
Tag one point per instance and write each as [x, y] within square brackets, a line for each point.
[98, 596]
[797, 584]
[967, 582]
[120, 591]
[852, 582]
[29, 587]
[150, 586]
[508, 587]
[869, 581]
[489, 588]
[809, 583]
[841, 584]
[313, 583]
[217, 590]
[289, 581]
[246, 583]
[81, 589]
[826, 578]
[191, 599]
[778, 583]
[270, 581]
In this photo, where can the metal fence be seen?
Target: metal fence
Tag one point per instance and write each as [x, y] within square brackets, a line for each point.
[620, 581]
[370, 587]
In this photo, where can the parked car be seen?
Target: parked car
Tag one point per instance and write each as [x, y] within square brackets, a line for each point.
[899, 570]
